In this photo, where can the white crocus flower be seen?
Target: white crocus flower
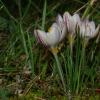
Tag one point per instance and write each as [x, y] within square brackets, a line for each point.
[71, 22]
[88, 29]
[55, 34]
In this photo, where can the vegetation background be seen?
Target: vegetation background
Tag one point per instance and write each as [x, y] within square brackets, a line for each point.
[27, 69]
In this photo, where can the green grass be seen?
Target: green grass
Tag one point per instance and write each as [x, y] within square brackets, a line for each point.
[20, 53]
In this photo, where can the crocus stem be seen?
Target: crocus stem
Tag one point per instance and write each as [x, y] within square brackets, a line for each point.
[71, 48]
[60, 71]
[82, 62]
[71, 42]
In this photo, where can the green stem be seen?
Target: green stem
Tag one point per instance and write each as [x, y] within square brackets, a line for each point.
[60, 71]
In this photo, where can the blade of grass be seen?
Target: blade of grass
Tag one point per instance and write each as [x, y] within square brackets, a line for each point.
[44, 15]
[7, 11]
[26, 10]
[86, 12]
[31, 54]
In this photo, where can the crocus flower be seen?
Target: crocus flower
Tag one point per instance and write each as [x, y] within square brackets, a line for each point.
[88, 29]
[71, 22]
[55, 34]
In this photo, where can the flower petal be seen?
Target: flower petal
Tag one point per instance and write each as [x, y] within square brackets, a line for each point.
[76, 19]
[53, 36]
[67, 20]
[71, 22]
[41, 36]
[63, 32]
[87, 29]
[59, 19]
[97, 30]
[61, 26]
[82, 29]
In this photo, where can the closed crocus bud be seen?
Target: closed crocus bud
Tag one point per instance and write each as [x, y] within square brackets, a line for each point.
[88, 29]
[55, 34]
[71, 22]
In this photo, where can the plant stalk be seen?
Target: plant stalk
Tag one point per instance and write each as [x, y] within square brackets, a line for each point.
[60, 71]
